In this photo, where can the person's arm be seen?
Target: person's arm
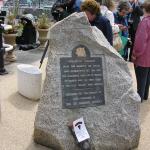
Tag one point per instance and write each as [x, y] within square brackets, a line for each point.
[103, 24]
[110, 17]
[141, 37]
[108, 32]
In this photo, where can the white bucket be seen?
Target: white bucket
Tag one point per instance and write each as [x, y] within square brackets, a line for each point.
[29, 81]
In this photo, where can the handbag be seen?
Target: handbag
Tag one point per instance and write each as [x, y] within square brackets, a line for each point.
[117, 42]
[124, 43]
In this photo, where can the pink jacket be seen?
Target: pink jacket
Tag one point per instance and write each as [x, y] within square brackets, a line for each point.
[141, 50]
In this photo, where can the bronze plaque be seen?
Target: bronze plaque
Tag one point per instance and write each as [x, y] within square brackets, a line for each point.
[82, 79]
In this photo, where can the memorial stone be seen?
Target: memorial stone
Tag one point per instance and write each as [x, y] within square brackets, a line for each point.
[86, 77]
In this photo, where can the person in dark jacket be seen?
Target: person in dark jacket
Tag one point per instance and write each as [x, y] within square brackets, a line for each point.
[92, 10]
[29, 32]
[62, 8]
[134, 19]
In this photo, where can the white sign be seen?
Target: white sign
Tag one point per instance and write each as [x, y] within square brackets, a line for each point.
[7, 27]
[80, 130]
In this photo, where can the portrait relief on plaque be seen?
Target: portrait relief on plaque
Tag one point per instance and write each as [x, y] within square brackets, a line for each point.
[80, 52]
[82, 83]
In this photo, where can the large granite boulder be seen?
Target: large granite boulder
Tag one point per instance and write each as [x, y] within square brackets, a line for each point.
[111, 107]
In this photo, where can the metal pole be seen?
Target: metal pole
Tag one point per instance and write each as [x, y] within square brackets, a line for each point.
[44, 53]
[39, 3]
[2, 50]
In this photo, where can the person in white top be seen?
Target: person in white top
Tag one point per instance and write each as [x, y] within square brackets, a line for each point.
[107, 8]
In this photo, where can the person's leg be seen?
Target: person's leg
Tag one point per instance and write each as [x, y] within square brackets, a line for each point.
[132, 36]
[125, 56]
[141, 76]
[146, 94]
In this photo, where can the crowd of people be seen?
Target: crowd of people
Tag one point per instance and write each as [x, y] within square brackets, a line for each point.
[126, 26]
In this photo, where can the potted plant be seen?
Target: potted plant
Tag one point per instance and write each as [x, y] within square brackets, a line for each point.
[43, 25]
[10, 37]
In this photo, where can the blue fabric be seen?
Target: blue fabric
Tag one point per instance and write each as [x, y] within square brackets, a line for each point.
[123, 21]
[77, 5]
[103, 24]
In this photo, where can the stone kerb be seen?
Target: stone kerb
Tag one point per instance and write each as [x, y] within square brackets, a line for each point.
[114, 122]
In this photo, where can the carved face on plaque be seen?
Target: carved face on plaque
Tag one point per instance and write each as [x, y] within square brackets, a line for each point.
[80, 52]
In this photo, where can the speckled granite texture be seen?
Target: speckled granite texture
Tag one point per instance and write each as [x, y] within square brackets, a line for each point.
[113, 126]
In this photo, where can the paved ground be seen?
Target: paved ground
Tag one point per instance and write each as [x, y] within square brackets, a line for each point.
[18, 113]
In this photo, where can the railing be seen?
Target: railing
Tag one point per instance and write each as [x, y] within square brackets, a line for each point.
[33, 10]
[31, 3]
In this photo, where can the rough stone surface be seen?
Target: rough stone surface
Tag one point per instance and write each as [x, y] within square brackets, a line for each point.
[113, 126]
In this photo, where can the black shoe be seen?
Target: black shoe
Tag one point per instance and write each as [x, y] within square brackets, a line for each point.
[3, 72]
[146, 96]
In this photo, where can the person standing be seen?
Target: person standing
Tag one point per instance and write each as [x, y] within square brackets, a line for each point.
[121, 20]
[62, 9]
[134, 18]
[92, 10]
[107, 7]
[141, 53]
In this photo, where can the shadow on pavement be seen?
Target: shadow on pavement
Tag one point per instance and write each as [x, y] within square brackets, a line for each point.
[20, 102]
[34, 146]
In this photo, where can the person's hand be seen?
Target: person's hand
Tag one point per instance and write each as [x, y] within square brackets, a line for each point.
[130, 10]
[133, 58]
[122, 27]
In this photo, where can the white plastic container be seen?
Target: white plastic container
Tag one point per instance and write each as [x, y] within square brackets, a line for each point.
[29, 81]
[7, 47]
